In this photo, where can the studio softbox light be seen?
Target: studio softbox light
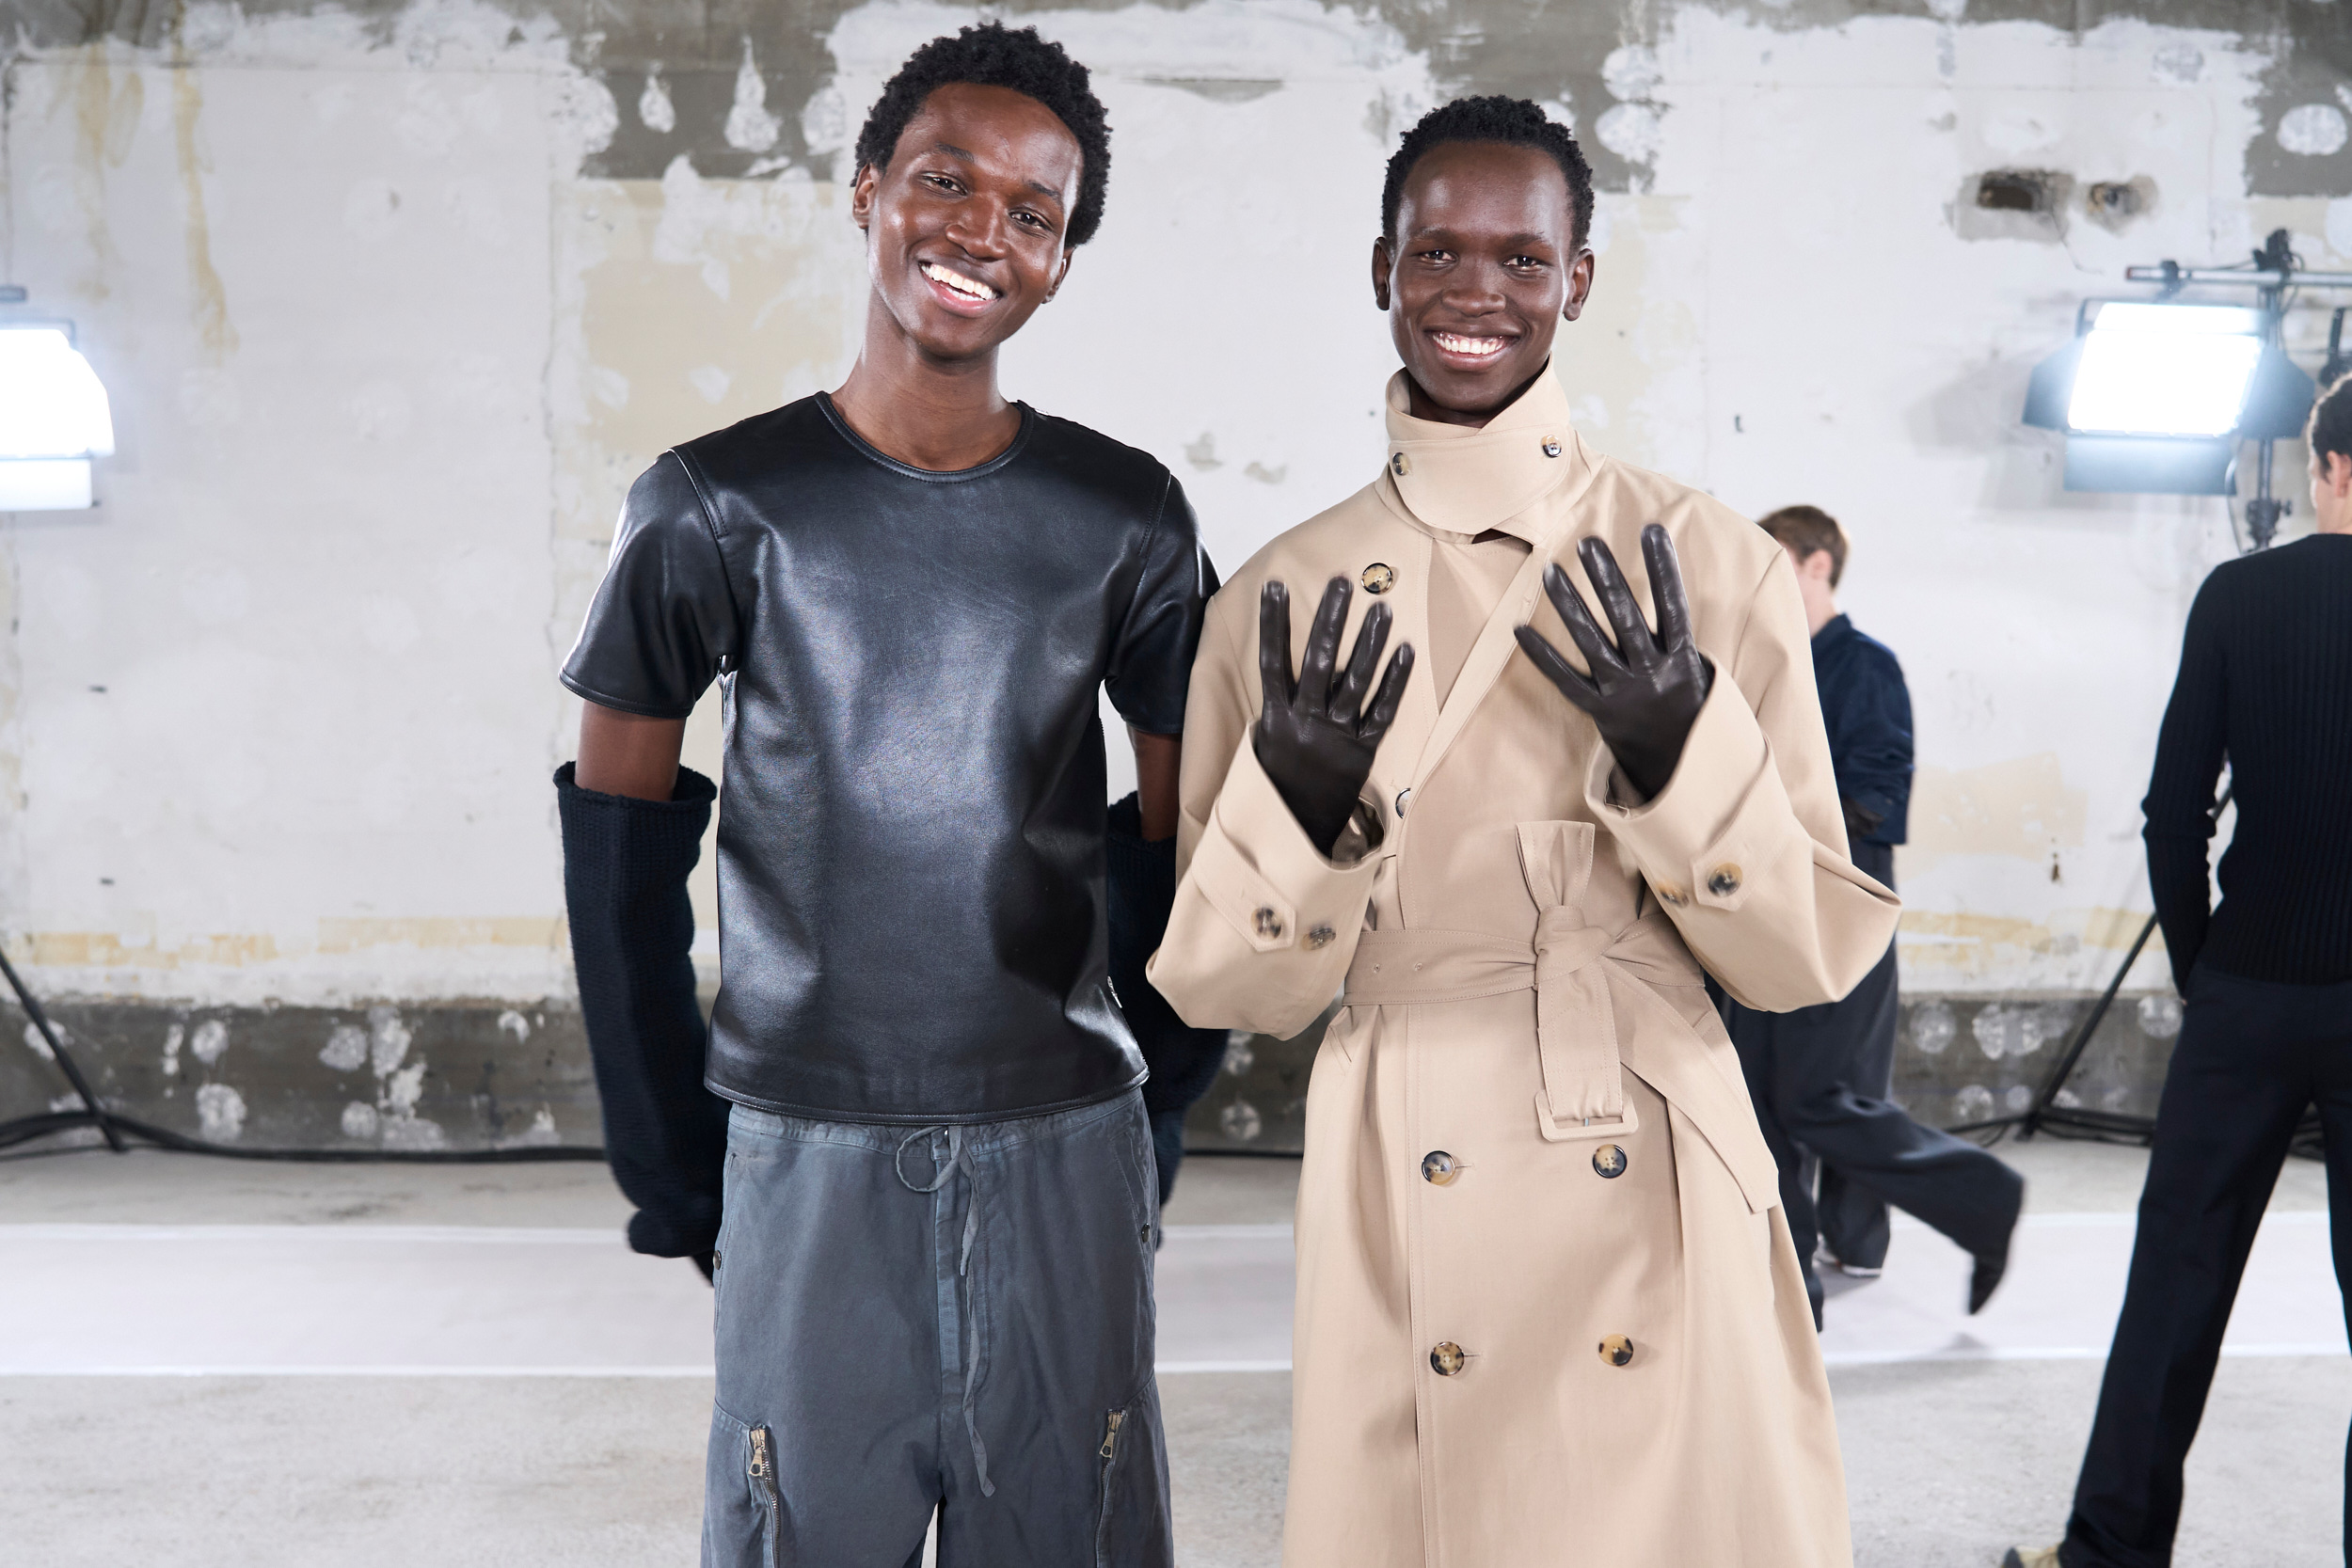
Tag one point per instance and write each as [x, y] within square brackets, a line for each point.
[2155, 397]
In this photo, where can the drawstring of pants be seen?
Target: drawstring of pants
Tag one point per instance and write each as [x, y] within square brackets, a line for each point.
[960, 1157]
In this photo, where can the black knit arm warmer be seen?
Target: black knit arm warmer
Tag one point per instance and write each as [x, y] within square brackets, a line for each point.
[1183, 1061]
[625, 865]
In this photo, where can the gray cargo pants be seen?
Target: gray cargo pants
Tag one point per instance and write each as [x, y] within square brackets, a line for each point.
[950, 1316]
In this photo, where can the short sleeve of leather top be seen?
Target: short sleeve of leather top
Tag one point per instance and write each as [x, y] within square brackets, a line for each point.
[910, 831]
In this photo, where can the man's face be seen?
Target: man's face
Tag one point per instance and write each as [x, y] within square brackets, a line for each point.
[965, 231]
[1484, 267]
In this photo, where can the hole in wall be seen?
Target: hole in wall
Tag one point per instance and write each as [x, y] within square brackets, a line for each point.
[2016, 190]
[2113, 203]
[2014, 204]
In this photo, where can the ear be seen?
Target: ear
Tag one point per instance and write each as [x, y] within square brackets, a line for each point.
[2340, 474]
[1060, 273]
[1580, 286]
[862, 195]
[1381, 268]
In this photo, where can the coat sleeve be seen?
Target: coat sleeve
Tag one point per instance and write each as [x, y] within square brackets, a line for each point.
[1745, 847]
[1264, 924]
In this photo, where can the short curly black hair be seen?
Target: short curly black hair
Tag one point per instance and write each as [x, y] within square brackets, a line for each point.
[994, 55]
[1496, 119]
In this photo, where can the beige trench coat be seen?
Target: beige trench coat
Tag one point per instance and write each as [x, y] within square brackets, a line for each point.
[1529, 1145]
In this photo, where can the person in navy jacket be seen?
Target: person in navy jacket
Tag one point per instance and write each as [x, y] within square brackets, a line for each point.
[1821, 1077]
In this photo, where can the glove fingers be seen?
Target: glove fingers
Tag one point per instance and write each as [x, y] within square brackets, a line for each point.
[1323, 648]
[1666, 587]
[1390, 696]
[1636, 646]
[1363, 664]
[1274, 644]
[1600, 655]
[1558, 670]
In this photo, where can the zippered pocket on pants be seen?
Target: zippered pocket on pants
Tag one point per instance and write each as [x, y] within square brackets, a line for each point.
[763, 1478]
[1107, 1460]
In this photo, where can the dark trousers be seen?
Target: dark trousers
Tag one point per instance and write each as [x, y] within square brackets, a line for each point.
[956, 1319]
[1811, 1074]
[2252, 1057]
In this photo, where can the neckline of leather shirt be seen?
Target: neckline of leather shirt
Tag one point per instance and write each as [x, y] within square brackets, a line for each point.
[930, 476]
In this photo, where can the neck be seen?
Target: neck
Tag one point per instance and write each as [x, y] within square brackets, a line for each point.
[1422, 406]
[1820, 611]
[2340, 523]
[924, 411]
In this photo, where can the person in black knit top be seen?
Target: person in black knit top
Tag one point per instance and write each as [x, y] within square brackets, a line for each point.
[2265, 685]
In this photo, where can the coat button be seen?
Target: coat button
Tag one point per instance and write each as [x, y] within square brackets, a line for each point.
[1404, 797]
[1439, 1168]
[1269, 923]
[1724, 880]
[1447, 1359]
[1319, 937]
[1609, 1161]
[1378, 577]
[1672, 894]
[1616, 1350]
[1399, 465]
[1551, 445]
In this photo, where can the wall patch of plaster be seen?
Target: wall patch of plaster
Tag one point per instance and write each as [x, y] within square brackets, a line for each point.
[360, 1121]
[174, 1037]
[219, 1113]
[750, 127]
[2313, 130]
[654, 109]
[346, 1048]
[387, 1040]
[39, 1046]
[209, 1042]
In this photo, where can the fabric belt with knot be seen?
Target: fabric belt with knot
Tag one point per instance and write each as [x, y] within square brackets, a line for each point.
[1566, 965]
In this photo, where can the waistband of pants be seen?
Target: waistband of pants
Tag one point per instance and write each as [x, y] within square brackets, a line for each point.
[979, 1137]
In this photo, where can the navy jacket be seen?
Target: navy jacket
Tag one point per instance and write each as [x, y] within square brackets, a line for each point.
[1867, 710]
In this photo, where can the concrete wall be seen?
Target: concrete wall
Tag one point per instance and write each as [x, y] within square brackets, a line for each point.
[393, 299]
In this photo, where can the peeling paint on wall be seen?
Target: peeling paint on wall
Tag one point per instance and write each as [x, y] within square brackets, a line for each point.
[397, 298]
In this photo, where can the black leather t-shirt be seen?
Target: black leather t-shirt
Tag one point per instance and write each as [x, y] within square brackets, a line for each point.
[910, 827]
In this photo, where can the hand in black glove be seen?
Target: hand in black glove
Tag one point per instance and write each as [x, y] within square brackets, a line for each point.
[1646, 690]
[1316, 738]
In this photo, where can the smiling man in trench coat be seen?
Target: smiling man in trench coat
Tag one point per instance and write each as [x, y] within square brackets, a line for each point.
[1548, 1312]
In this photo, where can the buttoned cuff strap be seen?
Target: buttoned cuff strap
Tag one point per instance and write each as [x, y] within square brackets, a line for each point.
[1723, 812]
[1257, 868]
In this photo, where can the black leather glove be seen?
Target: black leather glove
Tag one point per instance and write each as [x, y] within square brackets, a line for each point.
[1861, 821]
[1314, 737]
[1646, 690]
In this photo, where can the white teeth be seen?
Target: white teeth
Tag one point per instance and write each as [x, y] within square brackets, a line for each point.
[969, 287]
[1454, 343]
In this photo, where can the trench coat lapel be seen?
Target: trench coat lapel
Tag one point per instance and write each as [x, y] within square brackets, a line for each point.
[1522, 473]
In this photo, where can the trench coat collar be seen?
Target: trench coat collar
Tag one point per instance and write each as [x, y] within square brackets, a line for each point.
[1465, 480]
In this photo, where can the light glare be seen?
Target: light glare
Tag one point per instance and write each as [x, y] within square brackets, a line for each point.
[2166, 370]
[51, 403]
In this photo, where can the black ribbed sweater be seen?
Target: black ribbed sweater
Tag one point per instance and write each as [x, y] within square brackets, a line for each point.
[2265, 682]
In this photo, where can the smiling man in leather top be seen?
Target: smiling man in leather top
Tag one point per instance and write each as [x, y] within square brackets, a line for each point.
[1548, 1307]
[933, 1257]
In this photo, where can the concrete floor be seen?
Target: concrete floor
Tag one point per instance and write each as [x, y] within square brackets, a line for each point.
[1949, 1459]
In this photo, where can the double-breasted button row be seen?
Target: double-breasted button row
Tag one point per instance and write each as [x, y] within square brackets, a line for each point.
[1448, 1359]
[1724, 880]
[1269, 922]
[1442, 1169]
[1672, 892]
